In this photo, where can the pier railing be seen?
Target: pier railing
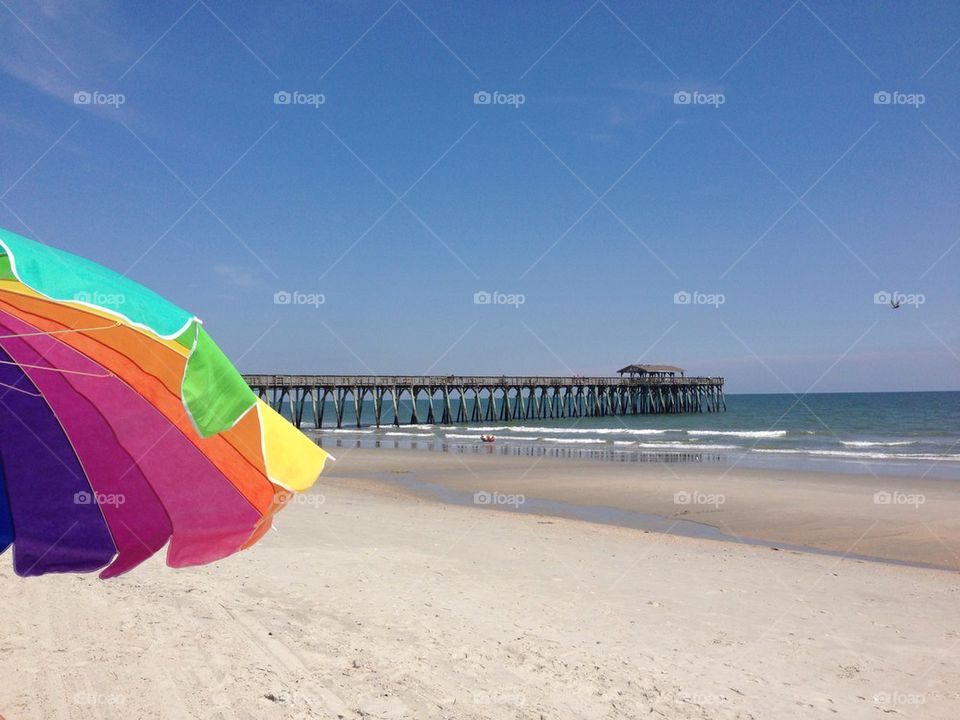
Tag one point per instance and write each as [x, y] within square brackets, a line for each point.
[449, 399]
[466, 380]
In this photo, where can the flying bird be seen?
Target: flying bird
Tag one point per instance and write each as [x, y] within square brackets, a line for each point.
[895, 304]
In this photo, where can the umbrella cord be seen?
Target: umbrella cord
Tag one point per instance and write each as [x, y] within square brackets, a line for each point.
[20, 390]
[44, 367]
[59, 370]
[60, 332]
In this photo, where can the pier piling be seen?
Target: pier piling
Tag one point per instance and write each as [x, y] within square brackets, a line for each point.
[473, 399]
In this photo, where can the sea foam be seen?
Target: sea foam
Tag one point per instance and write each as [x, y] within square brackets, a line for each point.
[741, 433]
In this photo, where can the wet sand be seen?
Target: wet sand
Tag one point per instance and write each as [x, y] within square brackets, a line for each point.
[890, 518]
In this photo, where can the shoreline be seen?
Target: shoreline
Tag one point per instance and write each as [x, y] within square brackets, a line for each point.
[897, 520]
[656, 452]
[643, 522]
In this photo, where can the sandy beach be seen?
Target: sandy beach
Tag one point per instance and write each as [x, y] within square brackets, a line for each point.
[372, 600]
[900, 519]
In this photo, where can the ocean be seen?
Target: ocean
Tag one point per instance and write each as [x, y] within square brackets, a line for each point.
[907, 433]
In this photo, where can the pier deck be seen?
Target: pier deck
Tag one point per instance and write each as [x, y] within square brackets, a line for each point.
[458, 399]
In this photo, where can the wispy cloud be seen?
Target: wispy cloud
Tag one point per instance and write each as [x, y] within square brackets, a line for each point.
[58, 48]
[237, 276]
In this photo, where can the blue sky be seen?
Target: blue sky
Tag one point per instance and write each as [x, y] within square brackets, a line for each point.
[786, 188]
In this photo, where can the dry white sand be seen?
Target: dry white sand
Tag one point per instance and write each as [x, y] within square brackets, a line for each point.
[377, 604]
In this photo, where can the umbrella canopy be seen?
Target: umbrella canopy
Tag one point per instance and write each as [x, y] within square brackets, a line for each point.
[124, 428]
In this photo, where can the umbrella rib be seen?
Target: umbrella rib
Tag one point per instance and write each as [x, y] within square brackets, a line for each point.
[59, 370]
[20, 390]
[60, 332]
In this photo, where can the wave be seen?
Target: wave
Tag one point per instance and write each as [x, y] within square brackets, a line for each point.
[665, 445]
[573, 431]
[674, 445]
[409, 434]
[866, 443]
[575, 440]
[854, 455]
[741, 433]
[478, 437]
[685, 446]
[346, 430]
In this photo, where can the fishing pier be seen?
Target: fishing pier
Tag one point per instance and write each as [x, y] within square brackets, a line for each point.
[355, 400]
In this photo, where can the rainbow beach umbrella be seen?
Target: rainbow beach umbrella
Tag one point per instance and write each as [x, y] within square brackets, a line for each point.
[124, 428]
